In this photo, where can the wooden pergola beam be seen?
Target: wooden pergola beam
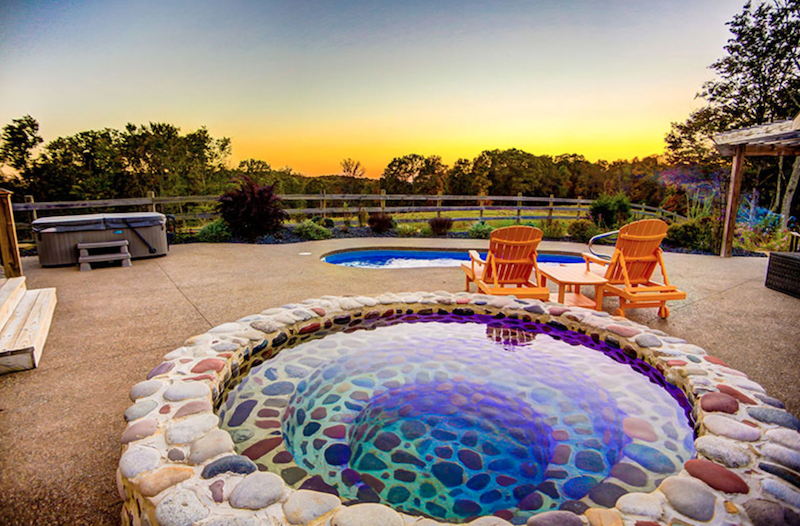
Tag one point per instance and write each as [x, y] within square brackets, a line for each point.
[9, 248]
[732, 206]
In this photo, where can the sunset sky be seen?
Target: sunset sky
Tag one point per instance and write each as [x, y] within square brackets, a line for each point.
[307, 83]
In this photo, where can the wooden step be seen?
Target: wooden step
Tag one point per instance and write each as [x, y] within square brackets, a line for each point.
[11, 293]
[104, 244]
[22, 338]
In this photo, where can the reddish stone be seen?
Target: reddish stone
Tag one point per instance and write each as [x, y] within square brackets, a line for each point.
[462, 301]
[216, 490]
[194, 407]
[623, 330]
[312, 327]
[373, 482]
[164, 409]
[504, 514]
[319, 413]
[647, 523]
[560, 434]
[209, 364]
[716, 476]
[328, 323]
[224, 354]
[185, 360]
[558, 311]
[318, 311]
[505, 480]
[719, 402]
[338, 431]
[262, 447]
[675, 363]
[638, 428]
[561, 454]
[728, 390]
[268, 424]
[715, 360]
[268, 413]
[372, 314]
[388, 313]
[283, 457]
[200, 378]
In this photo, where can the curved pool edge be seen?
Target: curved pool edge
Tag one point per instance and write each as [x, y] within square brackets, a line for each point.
[745, 440]
[322, 257]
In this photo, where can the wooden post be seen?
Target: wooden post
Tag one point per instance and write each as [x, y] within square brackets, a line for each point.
[152, 195]
[12, 266]
[480, 204]
[732, 206]
[324, 205]
[550, 210]
[34, 215]
[439, 204]
[519, 207]
[383, 201]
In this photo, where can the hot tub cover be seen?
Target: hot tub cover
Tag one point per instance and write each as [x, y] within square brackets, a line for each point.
[97, 222]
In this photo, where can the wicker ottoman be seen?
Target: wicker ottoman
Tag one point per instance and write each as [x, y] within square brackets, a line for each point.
[783, 273]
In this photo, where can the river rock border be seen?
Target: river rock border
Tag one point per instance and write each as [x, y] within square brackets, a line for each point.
[179, 468]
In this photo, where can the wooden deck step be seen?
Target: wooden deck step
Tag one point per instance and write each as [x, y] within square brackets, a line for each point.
[11, 292]
[22, 338]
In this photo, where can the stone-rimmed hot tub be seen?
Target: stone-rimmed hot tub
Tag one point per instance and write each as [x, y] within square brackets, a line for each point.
[178, 467]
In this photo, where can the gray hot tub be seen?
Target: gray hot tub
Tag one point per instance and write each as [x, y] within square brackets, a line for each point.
[57, 237]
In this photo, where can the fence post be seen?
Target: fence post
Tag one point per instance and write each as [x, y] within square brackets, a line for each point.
[383, 201]
[34, 215]
[324, 204]
[480, 204]
[12, 266]
[439, 204]
[152, 195]
[550, 210]
[519, 207]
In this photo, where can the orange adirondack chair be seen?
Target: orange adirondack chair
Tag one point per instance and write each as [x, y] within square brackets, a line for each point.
[509, 266]
[630, 269]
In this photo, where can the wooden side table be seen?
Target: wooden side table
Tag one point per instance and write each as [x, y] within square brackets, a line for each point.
[574, 276]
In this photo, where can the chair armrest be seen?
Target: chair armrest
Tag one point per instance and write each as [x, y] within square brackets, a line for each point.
[475, 257]
[591, 258]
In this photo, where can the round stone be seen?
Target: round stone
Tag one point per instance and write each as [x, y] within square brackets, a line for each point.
[726, 452]
[449, 473]
[727, 427]
[145, 388]
[191, 428]
[719, 402]
[645, 504]
[192, 408]
[155, 482]
[766, 513]
[257, 490]
[636, 428]
[183, 390]
[555, 518]
[212, 444]
[781, 491]
[233, 464]
[180, 508]
[606, 494]
[367, 515]
[470, 459]
[647, 340]
[337, 454]
[785, 437]
[735, 393]
[139, 430]
[716, 476]
[650, 458]
[689, 497]
[138, 459]
[140, 409]
[772, 415]
[303, 506]
[782, 455]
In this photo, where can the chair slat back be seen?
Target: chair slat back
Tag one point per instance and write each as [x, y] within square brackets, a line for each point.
[513, 249]
[638, 243]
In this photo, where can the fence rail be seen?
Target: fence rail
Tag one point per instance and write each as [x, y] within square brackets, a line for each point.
[547, 208]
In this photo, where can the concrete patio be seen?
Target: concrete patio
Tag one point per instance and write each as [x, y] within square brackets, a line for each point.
[61, 423]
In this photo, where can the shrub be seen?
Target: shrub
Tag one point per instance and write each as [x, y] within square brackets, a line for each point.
[440, 226]
[312, 231]
[480, 230]
[609, 211]
[251, 210]
[697, 234]
[215, 232]
[582, 230]
[380, 223]
[407, 230]
[554, 229]
[363, 217]
[426, 231]
[327, 222]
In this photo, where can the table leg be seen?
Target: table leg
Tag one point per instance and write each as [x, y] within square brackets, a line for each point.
[561, 288]
[599, 290]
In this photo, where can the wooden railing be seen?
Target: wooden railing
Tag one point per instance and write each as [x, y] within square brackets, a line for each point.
[526, 208]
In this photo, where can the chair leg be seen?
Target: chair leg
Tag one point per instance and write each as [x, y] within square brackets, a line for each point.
[466, 279]
[621, 309]
[663, 311]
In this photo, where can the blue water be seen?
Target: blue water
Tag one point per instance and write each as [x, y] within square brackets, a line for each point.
[421, 258]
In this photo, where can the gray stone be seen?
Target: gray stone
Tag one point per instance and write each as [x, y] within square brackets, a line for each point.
[785, 437]
[555, 518]
[267, 326]
[366, 301]
[214, 443]
[303, 315]
[176, 455]
[180, 508]
[145, 388]
[183, 390]
[774, 402]
[240, 435]
[304, 506]
[140, 409]
[191, 428]
[782, 455]
[781, 491]
[772, 415]
[766, 513]
[232, 521]
[225, 347]
[367, 515]
[257, 490]
[726, 452]
[644, 504]
[672, 339]
[488, 521]
[138, 459]
[744, 383]
[233, 464]
[689, 497]
[225, 327]
[647, 340]
[728, 427]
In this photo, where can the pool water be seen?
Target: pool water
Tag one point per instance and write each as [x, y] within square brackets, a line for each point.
[454, 417]
[422, 258]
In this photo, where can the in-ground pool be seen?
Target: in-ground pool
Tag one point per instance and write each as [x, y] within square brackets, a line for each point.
[455, 416]
[399, 258]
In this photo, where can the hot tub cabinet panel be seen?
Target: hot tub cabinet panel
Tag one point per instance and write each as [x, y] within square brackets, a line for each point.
[57, 237]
